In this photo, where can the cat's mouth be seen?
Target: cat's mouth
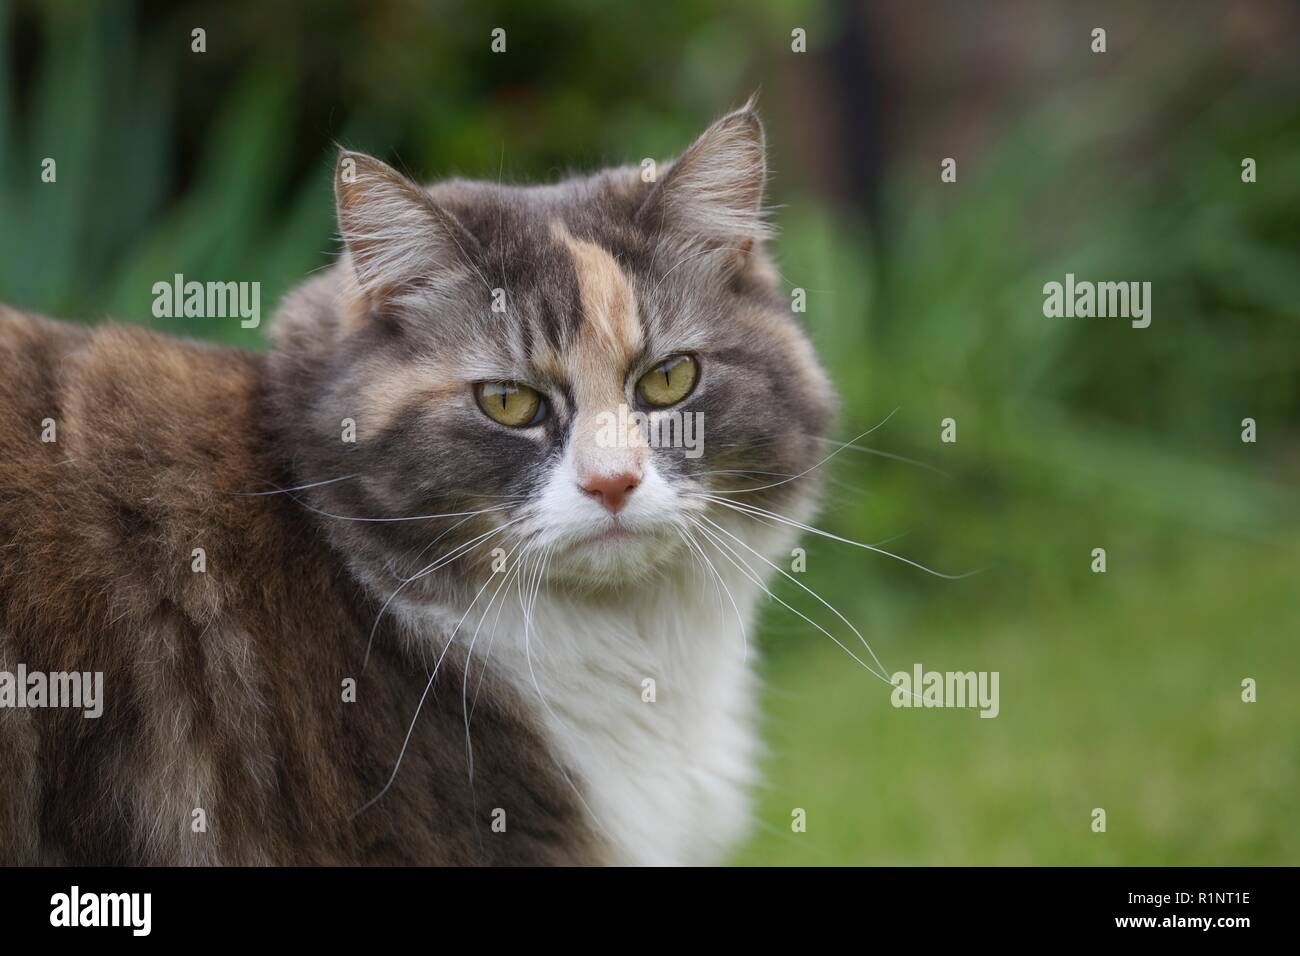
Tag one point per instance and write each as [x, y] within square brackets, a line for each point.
[613, 532]
[613, 550]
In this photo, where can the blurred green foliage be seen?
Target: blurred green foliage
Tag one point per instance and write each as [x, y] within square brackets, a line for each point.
[1118, 690]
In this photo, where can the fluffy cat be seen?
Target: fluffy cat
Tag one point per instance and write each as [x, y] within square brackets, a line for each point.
[457, 599]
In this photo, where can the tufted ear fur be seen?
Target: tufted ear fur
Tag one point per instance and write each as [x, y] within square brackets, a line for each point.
[404, 248]
[713, 192]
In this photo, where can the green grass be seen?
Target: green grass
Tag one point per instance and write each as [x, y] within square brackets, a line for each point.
[1122, 693]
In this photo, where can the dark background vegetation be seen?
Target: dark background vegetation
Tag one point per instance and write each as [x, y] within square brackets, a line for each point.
[1120, 690]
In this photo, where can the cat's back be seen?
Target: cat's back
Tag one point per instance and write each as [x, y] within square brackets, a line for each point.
[138, 542]
[206, 618]
[122, 451]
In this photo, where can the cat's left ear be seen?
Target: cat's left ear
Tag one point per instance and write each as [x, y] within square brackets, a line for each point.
[713, 192]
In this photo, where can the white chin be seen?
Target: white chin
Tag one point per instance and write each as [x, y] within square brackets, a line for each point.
[614, 559]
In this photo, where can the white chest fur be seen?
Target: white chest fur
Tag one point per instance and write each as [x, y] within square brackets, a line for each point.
[649, 700]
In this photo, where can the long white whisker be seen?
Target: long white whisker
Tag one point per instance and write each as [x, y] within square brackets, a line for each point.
[724, 548]
[692, 545]
[886, 454]
[744, 636]
[420, 706]
[285, 491]
[450, 514]
[464, 684]
[757, 512]
[544, 562]
[848, 444]
[477, 538]
[420, 554]
[487, 656]
[441, 562]
[782, 571]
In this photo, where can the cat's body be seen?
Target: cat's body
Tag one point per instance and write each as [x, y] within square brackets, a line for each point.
[589, 689]
[223, 689]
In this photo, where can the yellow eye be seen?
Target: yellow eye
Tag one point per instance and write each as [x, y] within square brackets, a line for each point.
[509, 403]
[668, 382]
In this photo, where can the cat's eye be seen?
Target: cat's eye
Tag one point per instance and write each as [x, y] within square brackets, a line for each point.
[510, 403]
[668, 382]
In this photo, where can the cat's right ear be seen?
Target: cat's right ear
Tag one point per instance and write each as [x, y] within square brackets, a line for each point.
[403, 246]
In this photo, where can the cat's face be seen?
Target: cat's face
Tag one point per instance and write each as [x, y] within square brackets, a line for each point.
[560, 370]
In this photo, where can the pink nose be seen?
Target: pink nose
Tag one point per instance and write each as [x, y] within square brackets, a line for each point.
[612, 490]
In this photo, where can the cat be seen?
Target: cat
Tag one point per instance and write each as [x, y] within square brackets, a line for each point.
[418, 585]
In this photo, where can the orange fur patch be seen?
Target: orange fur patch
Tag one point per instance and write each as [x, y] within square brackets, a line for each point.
[608, 341]
[610, 337]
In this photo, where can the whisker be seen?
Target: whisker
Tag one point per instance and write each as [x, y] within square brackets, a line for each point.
[442, 561]
[469, 656]
[742, 471]
[744, 636]
[885, 454]
[519, 497]
[786, 574]
[460, 550]
[420, 554]
[423, 697]
[285, 491]
[692, 545]
[450, 514]
[746, 570]
[754, 511]
[543, 563]
[487, 657]
[848, 444]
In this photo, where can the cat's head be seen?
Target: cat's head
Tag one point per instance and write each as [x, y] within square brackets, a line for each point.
[560, 370]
